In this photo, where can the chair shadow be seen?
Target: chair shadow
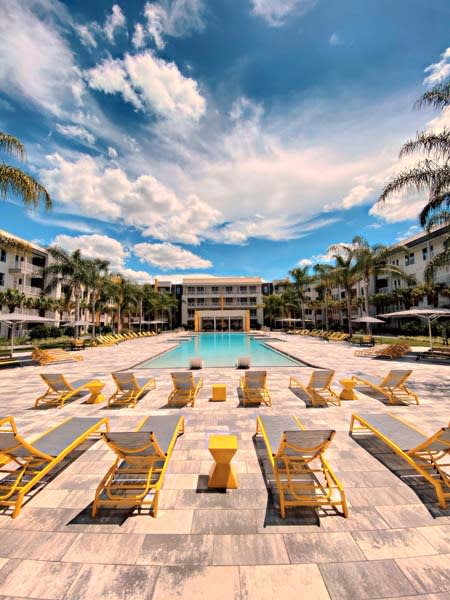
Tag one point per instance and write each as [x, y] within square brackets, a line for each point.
[105, 516]
[374, 395]
[202, 486]
[295, 515]
[82, 394]
[303, 396]
[396, 465]
[57, 470]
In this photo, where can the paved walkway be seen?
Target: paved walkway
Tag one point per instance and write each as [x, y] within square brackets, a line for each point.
[395, 543]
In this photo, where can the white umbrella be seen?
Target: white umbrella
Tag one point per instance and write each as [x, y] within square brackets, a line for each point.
[368, 320]
[10, 320]
[76, 324]
[426, 314]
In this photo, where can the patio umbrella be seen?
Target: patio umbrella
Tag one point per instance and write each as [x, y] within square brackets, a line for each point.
[426, 314]
[368, 320]
[76, 324]
[11, 319]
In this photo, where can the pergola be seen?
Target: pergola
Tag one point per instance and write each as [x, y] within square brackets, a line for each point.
[11, 320]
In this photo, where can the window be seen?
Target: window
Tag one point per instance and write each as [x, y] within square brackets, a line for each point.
[191, 313]
[243, 289]
[2, 279]
[228, 300]
[191, 301]
[215, 300]
[3, 255]
[252, 289]
[214, 289]
[253, 312]
[200, 290]
[229, 289]
[424, 253]
[410, 259]
[342, 295]
[191, 289]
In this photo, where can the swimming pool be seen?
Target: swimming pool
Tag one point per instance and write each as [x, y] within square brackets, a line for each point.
[220, 350]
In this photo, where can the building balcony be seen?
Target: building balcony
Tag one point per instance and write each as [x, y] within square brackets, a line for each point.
[27, 268]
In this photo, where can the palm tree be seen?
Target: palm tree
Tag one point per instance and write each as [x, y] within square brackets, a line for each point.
[325, 277]
[16, 182]
[12, 298]
[372, 261]
[43, 303]
[346, 274]
[72, 272]
[96, 275]
[167, 303]
[301, 279]
[431, 175]
[272, 307]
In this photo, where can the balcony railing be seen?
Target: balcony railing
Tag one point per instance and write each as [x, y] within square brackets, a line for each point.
[27, 268]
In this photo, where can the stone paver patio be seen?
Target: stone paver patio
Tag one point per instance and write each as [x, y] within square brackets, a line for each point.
[395, 543]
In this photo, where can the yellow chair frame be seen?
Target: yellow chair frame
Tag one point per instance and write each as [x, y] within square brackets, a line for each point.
[255, 395]
[394, 390]
[129, 396]
[297, 478]
[318, 388]
[55, 397]
[145, 474]
[32, 464]
[426, 458]
[182, 395]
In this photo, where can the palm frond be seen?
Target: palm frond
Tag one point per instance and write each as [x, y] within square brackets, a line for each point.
[433, 208]
[17, 183]
[431, 143]
[11, 145]
[426, 175]
[438, 97]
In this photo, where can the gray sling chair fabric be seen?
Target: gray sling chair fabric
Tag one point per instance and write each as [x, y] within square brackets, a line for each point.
[34, 460]
[129, 388]
[185, 388]
[303, 477]
[318, 389]
[59, 389]
[392, 386]
[425, 454]
[142, 456]
[254, 388]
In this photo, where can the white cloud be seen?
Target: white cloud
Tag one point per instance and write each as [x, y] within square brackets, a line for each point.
[305, 262]
[358, 195]
[411, 231]
[104, 248]
[442, 121]
[439, 71]
[35, 61]
[86, 36]
[168, 256]
[335, 40]
[275, 12]
[138, 39]
[85, 187]
[176, 18]
[149, 83]
[116, 20]
[404, 206]
[76, 131]
[112, 153]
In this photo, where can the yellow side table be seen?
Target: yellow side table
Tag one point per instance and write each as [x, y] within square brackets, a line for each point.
[222, 474]
[95, 387]
[348, 389]
[219, 392]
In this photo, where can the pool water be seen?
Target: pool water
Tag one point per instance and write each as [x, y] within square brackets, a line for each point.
[220, 350]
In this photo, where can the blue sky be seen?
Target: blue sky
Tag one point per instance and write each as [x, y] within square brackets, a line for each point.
[221, 136]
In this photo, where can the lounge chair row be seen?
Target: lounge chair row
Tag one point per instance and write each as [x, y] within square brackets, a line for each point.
[333, 336]
[111, 339]
[301, 472]
[385, 351]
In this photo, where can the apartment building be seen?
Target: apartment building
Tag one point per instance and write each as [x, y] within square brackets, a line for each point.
[222, 303]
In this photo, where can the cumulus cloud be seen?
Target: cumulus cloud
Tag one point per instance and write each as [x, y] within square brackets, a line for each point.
[149, 83]
[168, 256]
[86, 35]
[35, 61]
[358, 194]
[85, 187]
[116, 20]
[112, 153]
[175, 18]
[138, 39]
[404, 206]
[276, 12]
[104, 248]
[76, 131]
[438, 71]
[305, 262]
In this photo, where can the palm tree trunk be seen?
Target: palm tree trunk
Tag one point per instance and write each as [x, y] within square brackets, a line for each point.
[93, 315]
[327, 325]
[77, 312]
[349, 316]
[366, 302]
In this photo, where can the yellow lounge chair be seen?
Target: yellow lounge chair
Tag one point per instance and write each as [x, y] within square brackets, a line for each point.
[26, 463]
[59, 389]
[254, 388]
[185, 389]
[318, 389]
[425, 454]
[129, 389]
[142, 456]
[302, 475]
[392, 386]
[47, 357]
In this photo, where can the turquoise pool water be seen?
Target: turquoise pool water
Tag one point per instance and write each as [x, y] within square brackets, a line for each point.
[220, 350]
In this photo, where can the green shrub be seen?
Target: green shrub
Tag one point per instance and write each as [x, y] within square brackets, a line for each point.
[43, 331]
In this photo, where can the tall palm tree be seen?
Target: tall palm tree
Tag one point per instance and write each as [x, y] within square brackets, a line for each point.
[16, 182]
[12, 298]
[71, 271]
[166, 304]
[431, 175]
[272, 307]
[96, 278]
[346, 274]
[323, 274]
[301, 278]
[374, 260]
